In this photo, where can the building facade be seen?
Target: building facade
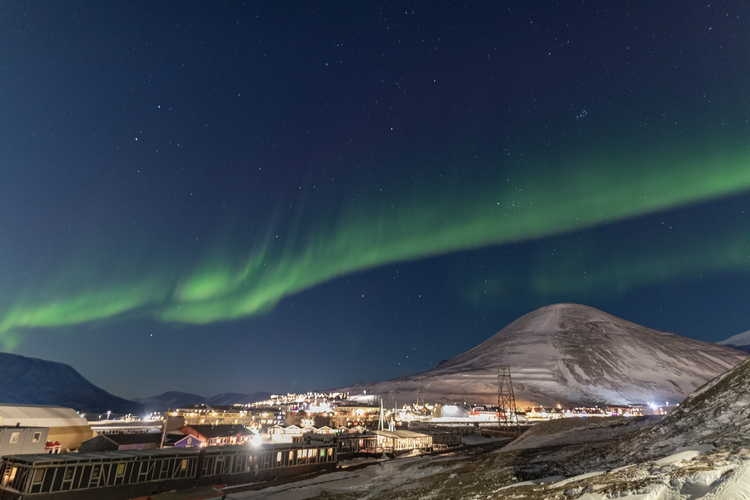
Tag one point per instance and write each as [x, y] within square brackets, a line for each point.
[16, 440]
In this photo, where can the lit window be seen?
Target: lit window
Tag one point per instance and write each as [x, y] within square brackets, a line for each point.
[14, 437]
[278, 457]
[291, 456]
[120, 469]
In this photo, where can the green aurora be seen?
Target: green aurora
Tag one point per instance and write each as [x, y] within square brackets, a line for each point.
[231, 283]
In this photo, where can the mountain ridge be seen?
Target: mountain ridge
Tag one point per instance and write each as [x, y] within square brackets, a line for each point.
[169, 399]
[177, 399]
[39, 381]
[741, 341]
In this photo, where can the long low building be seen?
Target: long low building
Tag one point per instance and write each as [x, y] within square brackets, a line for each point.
[64, 424]
[120, 475]
[398, 442]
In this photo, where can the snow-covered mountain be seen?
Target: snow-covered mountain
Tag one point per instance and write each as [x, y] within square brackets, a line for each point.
[571, 354]
[740, 341]
[701, 451]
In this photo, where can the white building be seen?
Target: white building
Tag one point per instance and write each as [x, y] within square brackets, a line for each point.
[64, 424]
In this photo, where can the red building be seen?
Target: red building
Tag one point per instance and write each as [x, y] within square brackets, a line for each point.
[217, 435]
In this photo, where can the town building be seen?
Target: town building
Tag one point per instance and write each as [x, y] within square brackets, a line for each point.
[188, 441]
[448, 411]
[16, 440]
[253, 417]
[123, 441]
[125, 426]
[218, 435]
[398, 442]
[65, 425]
[351, 415]
[213, 415]
[443, 439]
[289, 434]
[122, 475]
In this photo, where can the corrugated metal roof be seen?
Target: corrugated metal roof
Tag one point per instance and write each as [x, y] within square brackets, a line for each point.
[400, 434]
[215, 431]
[100, 456]
[139, 438]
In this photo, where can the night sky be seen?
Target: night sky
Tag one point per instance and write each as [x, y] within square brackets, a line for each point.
[289, 196]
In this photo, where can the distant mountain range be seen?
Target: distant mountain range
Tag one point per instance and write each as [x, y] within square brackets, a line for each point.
[233, 398]
[37, 381]
[174, 399]
[570, 354]
[740, 341]
[169, 400]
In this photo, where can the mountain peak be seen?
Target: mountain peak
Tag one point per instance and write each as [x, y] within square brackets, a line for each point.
[575, 354]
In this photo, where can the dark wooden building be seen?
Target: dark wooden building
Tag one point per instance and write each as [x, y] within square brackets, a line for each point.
[120, 475]
[114, 442]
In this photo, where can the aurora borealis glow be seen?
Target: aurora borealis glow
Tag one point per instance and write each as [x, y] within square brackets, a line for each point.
[252, 282]
[204, 188]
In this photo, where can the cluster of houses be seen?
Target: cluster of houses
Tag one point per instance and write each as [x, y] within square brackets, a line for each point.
[40, 429]
[260, 418]
[540, 413]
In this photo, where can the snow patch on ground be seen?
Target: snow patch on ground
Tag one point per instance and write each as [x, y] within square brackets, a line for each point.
[684, 455]
[575, 430]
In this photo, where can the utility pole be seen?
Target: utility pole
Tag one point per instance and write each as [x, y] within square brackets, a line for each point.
[164, 431]
[506, 400]
[382, 415]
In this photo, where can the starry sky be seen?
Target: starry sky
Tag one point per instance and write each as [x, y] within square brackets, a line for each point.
[289, 196]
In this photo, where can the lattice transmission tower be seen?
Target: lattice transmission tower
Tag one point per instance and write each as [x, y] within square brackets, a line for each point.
[506, 401]
[420, 397]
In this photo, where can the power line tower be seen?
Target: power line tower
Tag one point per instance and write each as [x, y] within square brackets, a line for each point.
[506, 401]
[390, 403]
[420, 396]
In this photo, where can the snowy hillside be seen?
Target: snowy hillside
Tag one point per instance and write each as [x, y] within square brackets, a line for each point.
[572, 354]
[740, 341]
[699, 452]
[716, 415]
